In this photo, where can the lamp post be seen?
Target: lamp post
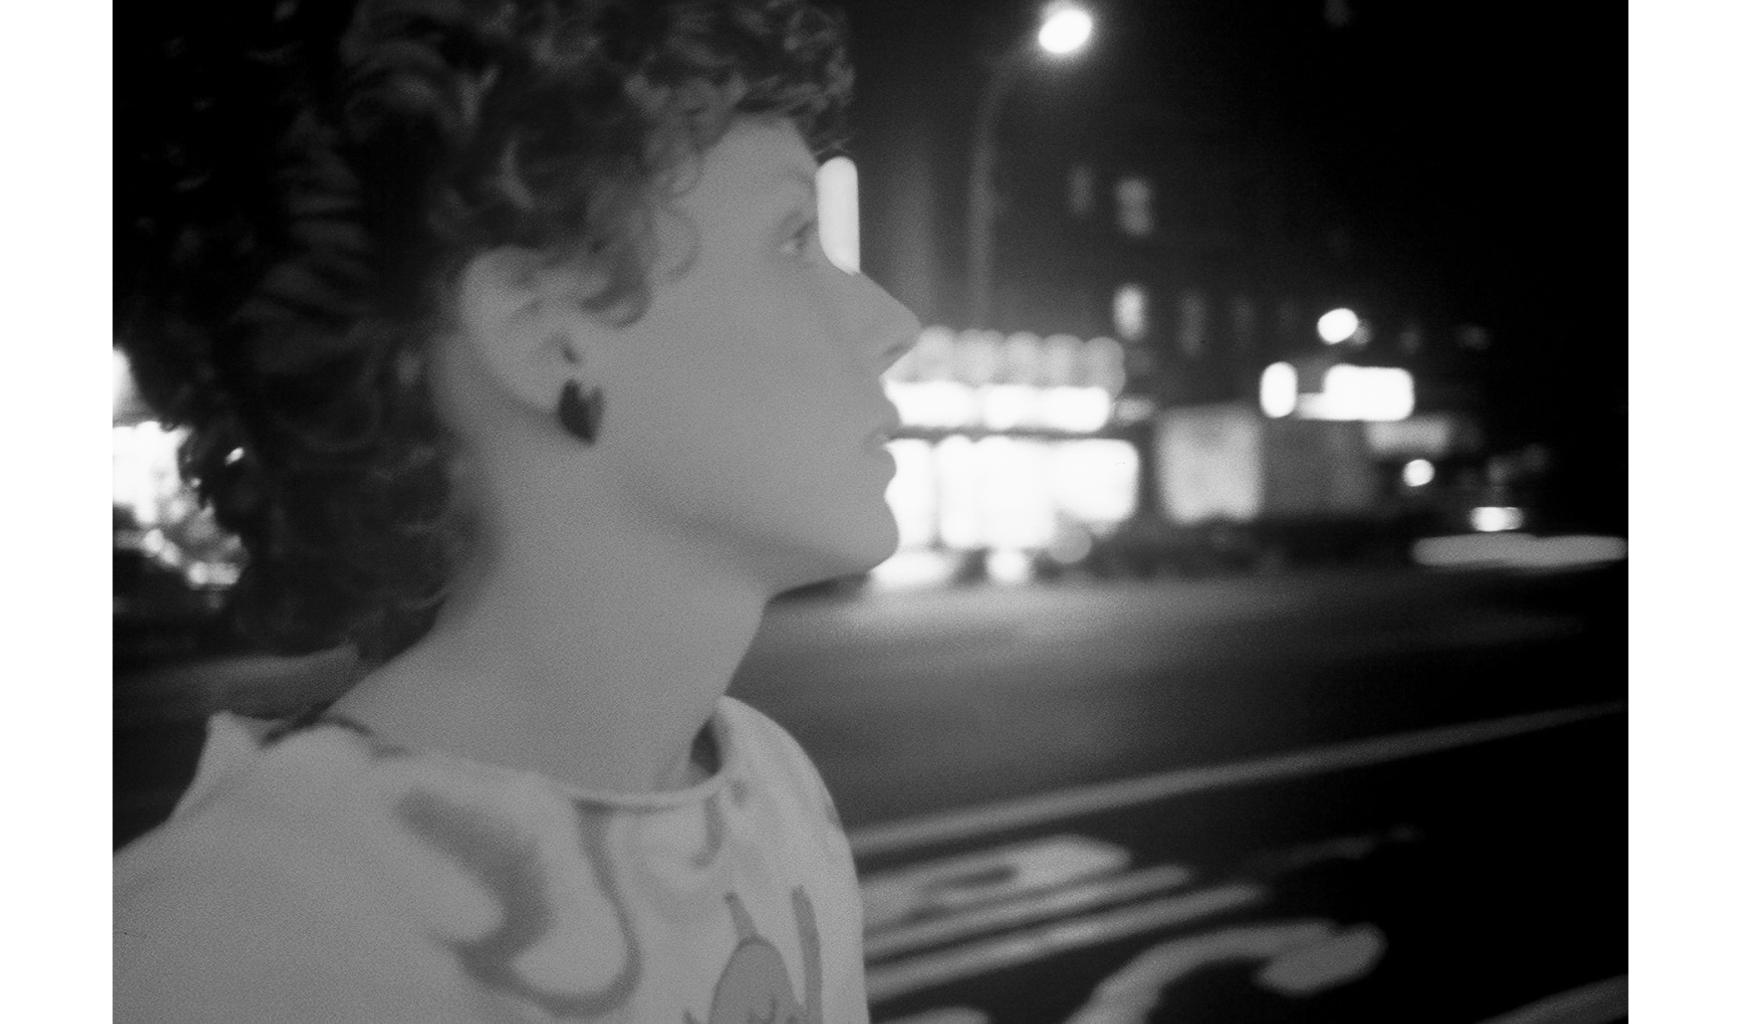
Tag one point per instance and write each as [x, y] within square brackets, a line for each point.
[1065, 28]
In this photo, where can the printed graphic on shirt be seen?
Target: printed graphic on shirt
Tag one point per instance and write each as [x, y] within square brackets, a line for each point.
[508, 866]
[544, 903]
[756, 987]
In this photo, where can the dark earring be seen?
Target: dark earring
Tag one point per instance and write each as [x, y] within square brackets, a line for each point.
[580, 414]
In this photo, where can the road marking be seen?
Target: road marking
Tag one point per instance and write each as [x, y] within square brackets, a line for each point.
[931, 829]
[1100, 892]
[1601, 1003]
[1131, 994]
[932, 969]
[946, 1015]
[987, 876]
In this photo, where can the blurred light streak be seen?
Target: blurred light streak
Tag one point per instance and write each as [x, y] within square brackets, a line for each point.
[1518, 550]
[837, 211]
[912, 494]
[1072, 545]
[942, 404]
[1081, 410]
[914, 569]
[1103, 365]
[1094, 481]
[1211, 464]
[1130, 311]
[1431, 436]
[1008, 406]
[122, 383]
[145, 478]
[1278, 390]
[1338, 325]
[1009, 565]
[1370, 393]
[958, 519]
[1015, 505]
[1495, 518]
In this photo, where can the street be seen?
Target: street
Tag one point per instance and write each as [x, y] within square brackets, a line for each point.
[1375, 794]
[916, 702]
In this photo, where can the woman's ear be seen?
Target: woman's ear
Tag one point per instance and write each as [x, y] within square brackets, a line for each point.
[519, 315]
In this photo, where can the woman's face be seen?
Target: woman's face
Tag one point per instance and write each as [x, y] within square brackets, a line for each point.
[744, 410]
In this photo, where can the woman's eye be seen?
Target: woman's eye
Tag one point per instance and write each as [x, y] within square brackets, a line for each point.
[801, 241]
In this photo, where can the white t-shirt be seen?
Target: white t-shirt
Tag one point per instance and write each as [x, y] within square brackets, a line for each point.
[318, 875]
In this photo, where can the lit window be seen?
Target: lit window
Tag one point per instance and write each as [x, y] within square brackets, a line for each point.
[1130, 311]
[1474, 338]
[1061, 360]
[1418, 473]
[1211, 464]
[1023, 359]
[1193, 323]
[1495, 518]
[1278, 390]
[977, 357]
[929, 358]
[1135, 197]
[1081, 191]
[1103, 365]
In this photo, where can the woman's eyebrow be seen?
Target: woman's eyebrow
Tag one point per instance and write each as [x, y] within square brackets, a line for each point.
[792, 175]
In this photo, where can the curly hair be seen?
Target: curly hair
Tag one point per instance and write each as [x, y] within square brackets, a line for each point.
[297, 189]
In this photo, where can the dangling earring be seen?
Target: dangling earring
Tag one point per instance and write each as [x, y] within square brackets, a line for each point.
[580, 413]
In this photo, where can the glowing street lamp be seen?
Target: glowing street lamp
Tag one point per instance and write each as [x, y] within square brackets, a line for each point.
[1065, 28]
[1338, 325]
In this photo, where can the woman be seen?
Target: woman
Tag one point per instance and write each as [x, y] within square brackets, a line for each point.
[516, 363]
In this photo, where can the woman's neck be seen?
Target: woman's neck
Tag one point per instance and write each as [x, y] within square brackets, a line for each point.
[598, 667]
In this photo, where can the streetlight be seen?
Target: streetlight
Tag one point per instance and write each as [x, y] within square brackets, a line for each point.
[1338, 325]
[1065, 28]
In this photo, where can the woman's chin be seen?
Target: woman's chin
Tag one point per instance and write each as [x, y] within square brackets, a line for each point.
[848, 551]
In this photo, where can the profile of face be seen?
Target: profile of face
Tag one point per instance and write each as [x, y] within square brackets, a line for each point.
[745, 419]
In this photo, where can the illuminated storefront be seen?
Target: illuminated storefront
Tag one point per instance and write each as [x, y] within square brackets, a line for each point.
[1016, 449]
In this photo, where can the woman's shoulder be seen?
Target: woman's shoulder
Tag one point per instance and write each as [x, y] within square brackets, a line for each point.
[273, 892]
[770, 756]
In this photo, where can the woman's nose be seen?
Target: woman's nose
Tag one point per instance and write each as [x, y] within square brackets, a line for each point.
[889, 328]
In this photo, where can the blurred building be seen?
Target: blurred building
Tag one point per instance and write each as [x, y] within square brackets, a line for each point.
[1188, 200]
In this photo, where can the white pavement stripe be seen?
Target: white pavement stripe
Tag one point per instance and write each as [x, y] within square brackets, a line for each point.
[931, 829]
[932, 969]
[1601, 1003]
[1011, 871]
[1101, 892]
